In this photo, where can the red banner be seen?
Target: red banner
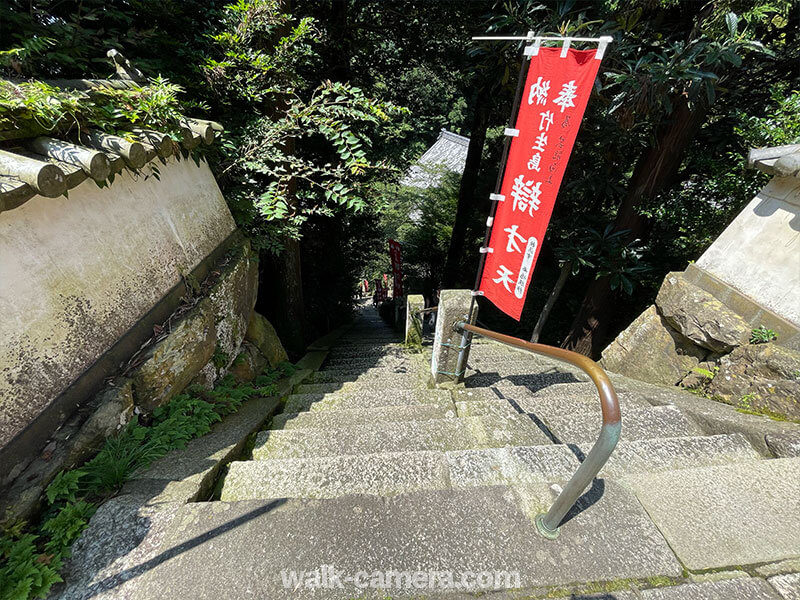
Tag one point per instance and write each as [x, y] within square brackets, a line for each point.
[381, 291]
[552, 105]
[397, 268]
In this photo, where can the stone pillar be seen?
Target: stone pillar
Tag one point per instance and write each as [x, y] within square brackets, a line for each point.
[398, 303]
[414, 303]
[453, 308]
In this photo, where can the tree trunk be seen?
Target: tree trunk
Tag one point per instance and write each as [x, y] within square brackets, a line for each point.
[656, 170]
[342, 40]
[289, 287]
[466, 191]
[551, 301]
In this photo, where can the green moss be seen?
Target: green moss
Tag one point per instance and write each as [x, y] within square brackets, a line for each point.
[765, 412]
[608, 587]
[705, 372]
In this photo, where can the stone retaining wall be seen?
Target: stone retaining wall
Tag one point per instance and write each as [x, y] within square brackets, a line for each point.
[85, 281]
[690, 338]
[697, 334]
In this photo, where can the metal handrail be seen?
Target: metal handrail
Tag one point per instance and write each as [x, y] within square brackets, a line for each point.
[422, 311]
[548, 523]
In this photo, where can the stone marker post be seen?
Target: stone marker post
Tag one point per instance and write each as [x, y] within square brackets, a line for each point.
[414, 303]
[453, 308]
[398, 302]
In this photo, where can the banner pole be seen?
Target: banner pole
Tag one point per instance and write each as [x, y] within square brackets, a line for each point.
[466, 336]
[523, 71]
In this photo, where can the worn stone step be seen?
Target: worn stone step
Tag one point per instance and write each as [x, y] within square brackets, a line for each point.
[338, 361]
[318, 388]
[335, 419]
[558, 462]
[674, 453]
[401, 472]
[392, 381]
[638, 424]
[364, 363]
[533, 381]
[561, 399]
[374, 438]
[509, 367]
[366, 339]
[344, 401]
[728, 515]
[390, 373]
[356, 351]
[332, 476]
[740, 588]
[396, 472]
[477, 530]
[480, 408]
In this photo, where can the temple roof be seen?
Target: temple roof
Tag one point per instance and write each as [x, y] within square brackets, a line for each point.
[448, 154]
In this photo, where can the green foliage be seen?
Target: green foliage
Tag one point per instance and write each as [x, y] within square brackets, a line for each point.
[31, 561]
[65, 527]
[762, 335]
[25, 571]
[422, 221]
[219, 358]
[34, 105]
[609, 252]
[301, 148]
[64, 486]
[780, 127]
[33, 46]
[746, 401]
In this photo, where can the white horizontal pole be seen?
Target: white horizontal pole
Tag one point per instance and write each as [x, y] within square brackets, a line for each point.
[542, 38]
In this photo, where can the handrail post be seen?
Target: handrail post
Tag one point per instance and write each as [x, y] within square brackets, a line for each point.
[547, 524]
[450, 352]
[414, 303]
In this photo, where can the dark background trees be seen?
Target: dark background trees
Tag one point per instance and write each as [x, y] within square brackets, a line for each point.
[316, 142]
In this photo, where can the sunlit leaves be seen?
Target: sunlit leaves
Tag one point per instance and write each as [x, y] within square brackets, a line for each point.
[154, 105]
[302, 148]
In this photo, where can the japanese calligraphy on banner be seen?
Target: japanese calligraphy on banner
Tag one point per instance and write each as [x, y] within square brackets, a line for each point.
[552, 105]
[396, 255]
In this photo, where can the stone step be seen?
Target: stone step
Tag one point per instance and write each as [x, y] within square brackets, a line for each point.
[674, 453]
[335, 419]
[385, 373]
[367, 362]
[385, 474]
[728, 515]
[392, 381]
[353, 348]
[347, 401]
[342, 361]
[460, 531]
[522, 464]
[534, 381]
[637, 424]
[561, 399]
[367, 339]
[739, 588]
[393, 473]
[480, 408]
[318, 388]
[402, 472]
[374, 438]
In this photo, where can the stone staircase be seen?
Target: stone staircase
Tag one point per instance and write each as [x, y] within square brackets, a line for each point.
[368, 470]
